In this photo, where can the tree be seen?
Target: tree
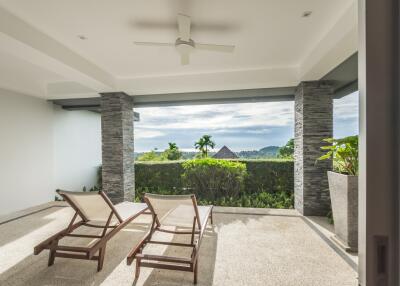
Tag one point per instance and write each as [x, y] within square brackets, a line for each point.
[172, 146]
[287, 151]
[150, 156]
[172, 153]
[204, 144]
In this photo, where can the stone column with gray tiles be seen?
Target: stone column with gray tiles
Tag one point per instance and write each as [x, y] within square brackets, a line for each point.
[117, 146]
[313, 123]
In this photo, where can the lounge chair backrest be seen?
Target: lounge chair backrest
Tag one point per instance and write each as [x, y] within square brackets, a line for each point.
[92, 205]
[173, 210]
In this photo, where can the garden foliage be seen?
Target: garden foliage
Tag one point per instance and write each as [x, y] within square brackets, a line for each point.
[344, 153]
[234, 183]
[212, 178]
[267, 183]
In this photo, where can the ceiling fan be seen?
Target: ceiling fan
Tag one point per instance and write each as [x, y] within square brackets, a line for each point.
[185, 45]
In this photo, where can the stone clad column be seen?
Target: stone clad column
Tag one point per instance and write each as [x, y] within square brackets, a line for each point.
[117, 146]
[313, 122]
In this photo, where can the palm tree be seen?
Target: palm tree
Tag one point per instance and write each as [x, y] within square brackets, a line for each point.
[172, 146]
[173, 153]
[203, 144]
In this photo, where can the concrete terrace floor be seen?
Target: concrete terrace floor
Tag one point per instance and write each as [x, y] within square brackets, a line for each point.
[245, 247]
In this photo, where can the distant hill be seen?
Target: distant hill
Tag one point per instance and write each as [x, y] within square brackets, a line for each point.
[266, 152]
[270, 151]
[263, 153]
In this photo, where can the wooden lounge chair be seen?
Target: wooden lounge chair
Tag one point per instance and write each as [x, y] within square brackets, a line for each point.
[95, 210]
[181, 212]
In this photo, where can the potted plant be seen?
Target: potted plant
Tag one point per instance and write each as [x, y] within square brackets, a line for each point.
[343, 188]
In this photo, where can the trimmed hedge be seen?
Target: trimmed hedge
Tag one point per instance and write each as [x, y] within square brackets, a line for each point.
[280, 200]
[271, 176]
[155, 176]
[267, 184]
[210, 178]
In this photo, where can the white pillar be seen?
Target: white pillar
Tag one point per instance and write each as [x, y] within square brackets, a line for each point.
[379, 161]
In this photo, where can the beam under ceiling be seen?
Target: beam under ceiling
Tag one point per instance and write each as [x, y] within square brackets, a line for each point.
[344, 78]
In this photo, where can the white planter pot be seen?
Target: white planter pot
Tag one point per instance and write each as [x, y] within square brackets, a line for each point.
[344, 198]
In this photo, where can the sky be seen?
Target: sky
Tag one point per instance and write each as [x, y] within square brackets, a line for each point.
[244, 126]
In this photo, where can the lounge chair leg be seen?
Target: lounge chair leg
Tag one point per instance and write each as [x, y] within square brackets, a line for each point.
[100, 262]
[52, 255]
[193, 230]
[211, 218]
[137, 272]
[195, 272]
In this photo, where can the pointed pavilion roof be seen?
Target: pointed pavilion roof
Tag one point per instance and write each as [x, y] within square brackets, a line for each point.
[225, 153]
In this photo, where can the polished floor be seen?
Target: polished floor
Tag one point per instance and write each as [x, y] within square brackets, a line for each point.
[244, 247]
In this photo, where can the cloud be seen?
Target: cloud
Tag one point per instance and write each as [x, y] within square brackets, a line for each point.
[214, 117]
[345, 116]
[141, 133]
[240, 131]
[240, 126]
[244, 126]
[346, 107]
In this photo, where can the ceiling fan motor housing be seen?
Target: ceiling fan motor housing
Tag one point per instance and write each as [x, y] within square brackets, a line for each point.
[184, 46]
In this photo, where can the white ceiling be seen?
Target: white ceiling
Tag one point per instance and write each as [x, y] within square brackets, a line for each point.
[275, 46]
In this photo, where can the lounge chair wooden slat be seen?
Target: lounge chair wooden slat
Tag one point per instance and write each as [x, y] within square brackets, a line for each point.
[72, 248]
[171, 243]
[83, 235]
[74, 256]
[166, 266]
[163, 258]
[99, 226]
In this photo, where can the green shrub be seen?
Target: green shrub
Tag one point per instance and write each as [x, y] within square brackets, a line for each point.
[173, 152]
[154, 176]
[330, 217]
[268, 183]
[152, 156]
[211, 178]
[280, 200]
[272, 175]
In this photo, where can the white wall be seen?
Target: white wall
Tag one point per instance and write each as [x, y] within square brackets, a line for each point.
[26, 151]
[77, 149]
[43, 148]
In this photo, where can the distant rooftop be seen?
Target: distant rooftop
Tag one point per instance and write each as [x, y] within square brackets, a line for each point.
[225, 153]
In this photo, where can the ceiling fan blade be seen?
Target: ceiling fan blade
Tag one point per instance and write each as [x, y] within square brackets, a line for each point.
[184, 59]
[215, 48]
[184, 27]
[154, 44]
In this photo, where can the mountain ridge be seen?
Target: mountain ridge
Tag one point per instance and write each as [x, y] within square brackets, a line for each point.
[263, 153]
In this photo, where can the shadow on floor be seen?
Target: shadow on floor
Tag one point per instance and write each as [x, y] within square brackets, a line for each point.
[257, 250]
[20, 227]
[207, 257]
[349, 258]
[33, 270]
